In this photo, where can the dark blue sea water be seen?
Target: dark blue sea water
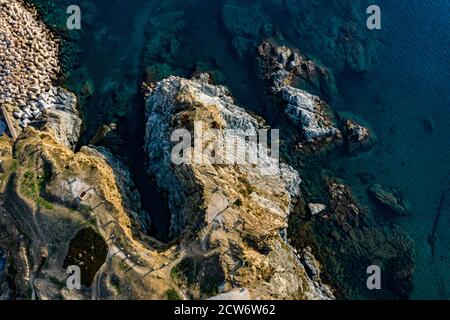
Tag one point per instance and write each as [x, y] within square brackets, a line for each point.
[408, 84]
[2, 263]
[413, 79]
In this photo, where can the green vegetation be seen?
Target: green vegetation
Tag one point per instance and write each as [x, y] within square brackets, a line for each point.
[32, 186]
[172, 294]
[14, 165]
[29, 294]
[185, 271]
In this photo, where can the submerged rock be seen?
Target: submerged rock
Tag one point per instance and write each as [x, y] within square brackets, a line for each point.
[246, 24]
[327, 29]
[347, 242]
[390, 200]
[429, 124]
[236, 210]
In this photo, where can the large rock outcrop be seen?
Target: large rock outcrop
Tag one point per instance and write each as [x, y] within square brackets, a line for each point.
[310, 114]
[231, 217]
[64, 118]
[291, 78]
[284, 69]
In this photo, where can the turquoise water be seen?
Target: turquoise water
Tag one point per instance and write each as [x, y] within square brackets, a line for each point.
[406, 86]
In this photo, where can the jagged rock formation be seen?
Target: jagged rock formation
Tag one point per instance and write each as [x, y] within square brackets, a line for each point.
[54, 194]
[286, 71]
[56, 197]
[316, 208]
[310, 114]
[358, 137]
[131, 198]
[347, 241]
[64, 118]
[231, 217]
[230, 220]
[284, 66]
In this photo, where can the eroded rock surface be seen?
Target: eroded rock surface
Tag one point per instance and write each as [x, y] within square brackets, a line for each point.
[291, 77]
[313, 118]
[358, 136]
[231, 211]
[311, 115]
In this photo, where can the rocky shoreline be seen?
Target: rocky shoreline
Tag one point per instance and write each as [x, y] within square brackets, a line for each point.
[288, 74]
[29, 54]
[92, 190]
[237, 231]
[50, 192]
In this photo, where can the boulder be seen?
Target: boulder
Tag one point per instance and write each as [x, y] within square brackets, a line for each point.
[316, 208]
[391, 200]
[358, 136]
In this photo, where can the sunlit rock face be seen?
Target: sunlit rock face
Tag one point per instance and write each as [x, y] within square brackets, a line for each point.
[237, 211]
[309, 113]
[285, 71]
